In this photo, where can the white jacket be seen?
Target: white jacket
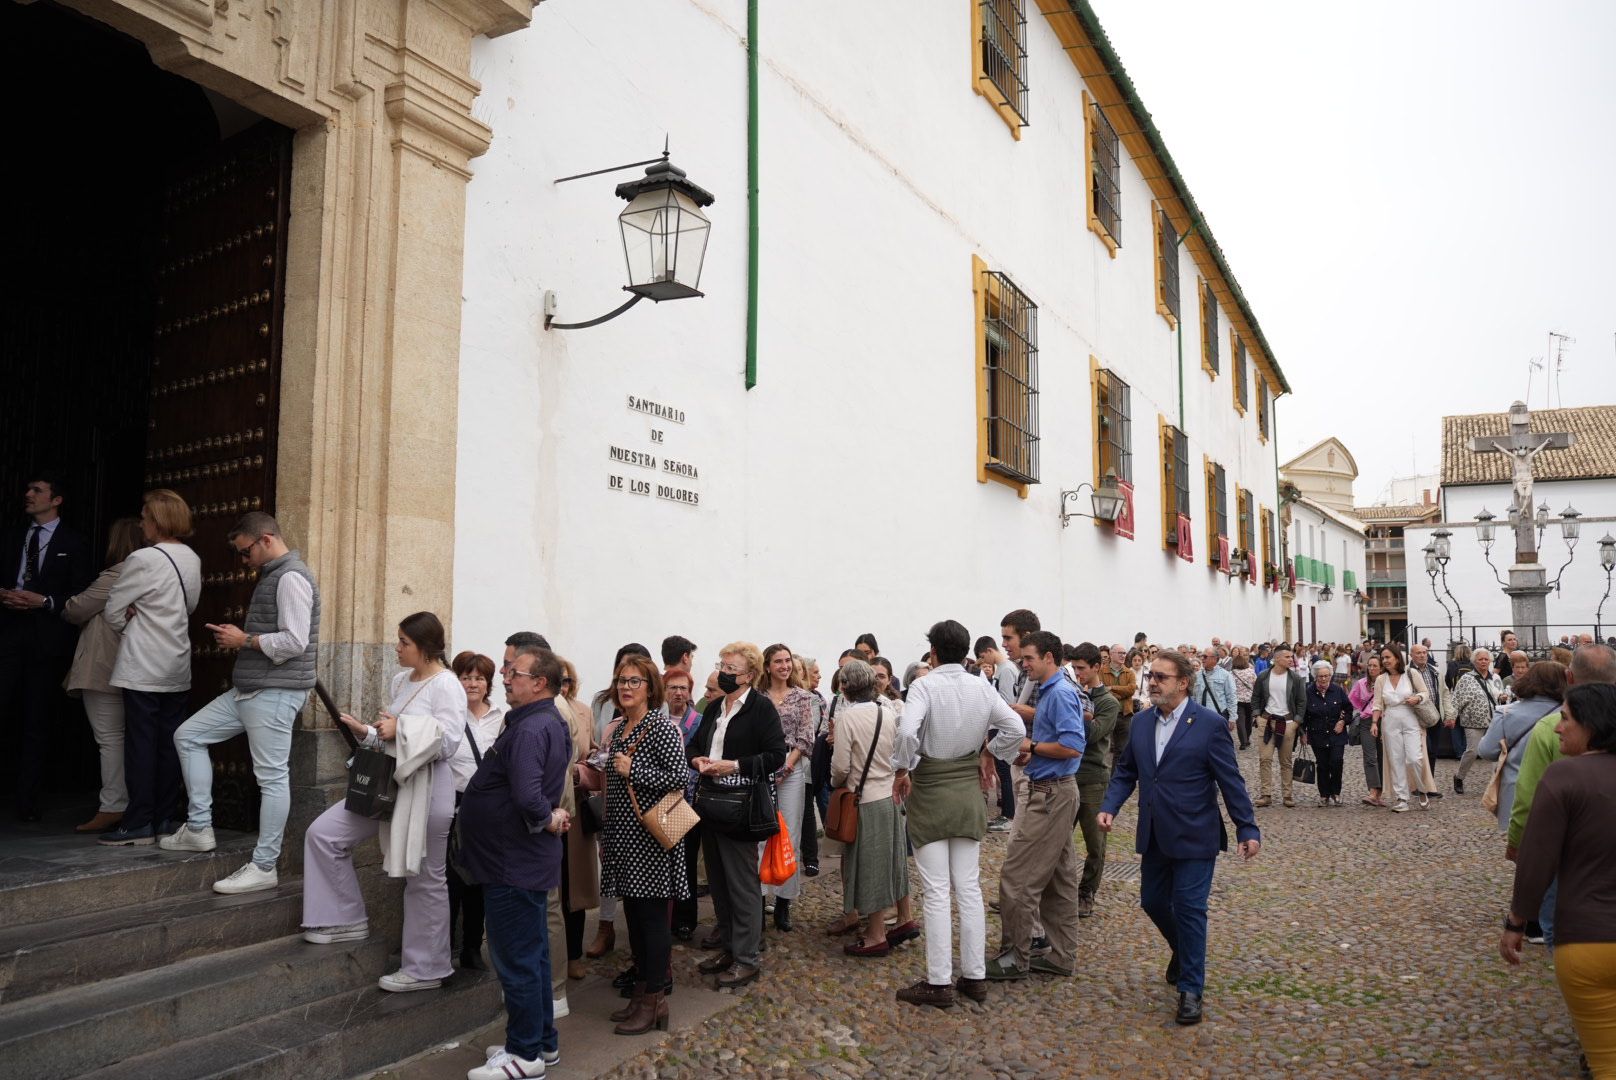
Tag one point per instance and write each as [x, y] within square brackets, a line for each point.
[154, 654]
[403, 836]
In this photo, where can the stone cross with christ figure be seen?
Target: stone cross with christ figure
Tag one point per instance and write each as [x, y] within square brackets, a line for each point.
[1522, 445]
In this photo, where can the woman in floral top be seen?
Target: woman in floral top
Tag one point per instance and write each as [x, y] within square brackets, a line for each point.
[799, 712]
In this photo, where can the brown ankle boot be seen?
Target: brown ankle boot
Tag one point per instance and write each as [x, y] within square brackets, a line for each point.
[605, 941]
[634, 1002]
[650, 1011]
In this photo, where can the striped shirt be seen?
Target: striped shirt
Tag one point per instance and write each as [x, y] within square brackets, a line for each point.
[949, 714]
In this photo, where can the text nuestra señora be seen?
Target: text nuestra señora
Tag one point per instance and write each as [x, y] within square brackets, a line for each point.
[656, 409]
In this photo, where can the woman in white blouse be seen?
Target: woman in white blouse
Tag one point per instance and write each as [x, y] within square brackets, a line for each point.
[427, 706]
[1396, 692]
[484, 721]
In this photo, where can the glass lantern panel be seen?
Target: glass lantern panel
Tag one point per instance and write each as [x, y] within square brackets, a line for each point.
[664, 239]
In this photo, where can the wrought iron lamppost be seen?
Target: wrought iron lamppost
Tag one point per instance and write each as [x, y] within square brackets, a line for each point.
[664, 237]
[1607, 559]
[1431, 569]
[1485, 530]
[1570, 530]
[1105, 500]
[1327, 594]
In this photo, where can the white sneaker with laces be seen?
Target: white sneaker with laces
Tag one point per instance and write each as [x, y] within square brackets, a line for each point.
[400, 983]
[188, 839]
[551, 1058]
[250, 878]
[1400, 808]
[561, 1007]
[330, 935]
[506, 1066]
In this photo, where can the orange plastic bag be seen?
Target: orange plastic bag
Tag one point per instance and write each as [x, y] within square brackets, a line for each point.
[779, 862]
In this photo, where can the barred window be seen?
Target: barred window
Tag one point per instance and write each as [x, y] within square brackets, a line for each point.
[1209, 330]
[1166, 267]
[1217, 509]
[1241, 391]
[1004, 53]
[1010, 338]
[1262, 408]
[1175, 479]
[1245, 536]
[1267, 517]
[1113, 426]
[1105, 183]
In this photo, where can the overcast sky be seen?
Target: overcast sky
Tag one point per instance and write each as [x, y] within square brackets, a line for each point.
[1412, 195]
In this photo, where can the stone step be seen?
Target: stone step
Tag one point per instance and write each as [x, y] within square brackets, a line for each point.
[80, 948]
[82, 1028]
[44, 877]
[347, 1034]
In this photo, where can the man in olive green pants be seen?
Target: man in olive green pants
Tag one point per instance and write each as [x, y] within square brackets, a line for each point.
[1094, 773]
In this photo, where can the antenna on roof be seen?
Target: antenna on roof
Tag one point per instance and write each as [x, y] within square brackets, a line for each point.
[1534, 364]
[1557, 346]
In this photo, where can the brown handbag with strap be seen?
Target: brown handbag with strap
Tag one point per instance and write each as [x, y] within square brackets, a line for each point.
[841, 818]
[670, 817]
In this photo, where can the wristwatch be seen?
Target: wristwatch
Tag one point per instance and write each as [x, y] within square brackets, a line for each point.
[1514, 928]
[252, 641]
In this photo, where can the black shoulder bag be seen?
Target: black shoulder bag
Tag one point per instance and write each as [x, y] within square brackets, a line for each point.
[372, 790]
[819, 766]
[453, 852]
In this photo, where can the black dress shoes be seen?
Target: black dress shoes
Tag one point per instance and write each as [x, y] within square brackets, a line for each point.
[1172, 971]
[782, 915]
[1189, 1009]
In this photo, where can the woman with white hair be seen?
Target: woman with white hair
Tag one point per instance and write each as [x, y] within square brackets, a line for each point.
[1476, 691]
[1324, 728]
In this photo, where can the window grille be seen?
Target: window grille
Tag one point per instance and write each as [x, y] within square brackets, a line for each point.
[1267, 537]
[1209, 329]
[1010, 326]
[1245, 540]
[1175, 478]
[1241, 392]
[1106, 183]
[1262, 407]
[1004, 52]
[1113, 407]
[1217, 508]
[1167, 264]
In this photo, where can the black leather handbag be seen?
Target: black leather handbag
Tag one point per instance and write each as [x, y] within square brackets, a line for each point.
[1303, 769]
[372, 791]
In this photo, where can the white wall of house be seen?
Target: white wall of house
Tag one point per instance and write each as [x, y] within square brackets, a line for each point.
[1486, 608]
[841, 494]
[1316, 533]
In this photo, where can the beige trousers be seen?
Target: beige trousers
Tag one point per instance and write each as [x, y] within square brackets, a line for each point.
[1265, 758]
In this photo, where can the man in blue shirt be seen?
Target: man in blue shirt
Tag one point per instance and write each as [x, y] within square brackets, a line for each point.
[510, 829]
[1041, 866]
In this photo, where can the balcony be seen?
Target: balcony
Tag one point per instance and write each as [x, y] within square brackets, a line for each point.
[1388, 578]
[1386, 543]
[1388, 605]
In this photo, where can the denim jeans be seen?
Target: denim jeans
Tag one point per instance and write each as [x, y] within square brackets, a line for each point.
[267, 718]
[519, 945]
[1545, 912]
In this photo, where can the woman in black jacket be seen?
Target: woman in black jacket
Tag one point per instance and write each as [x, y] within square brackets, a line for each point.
[738, 745]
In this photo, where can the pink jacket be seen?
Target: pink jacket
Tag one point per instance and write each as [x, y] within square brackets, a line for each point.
[1362, 695]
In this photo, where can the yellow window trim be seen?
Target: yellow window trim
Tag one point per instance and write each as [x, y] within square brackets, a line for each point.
[1210, 469]
[979, 76]
[1257, 402]
[1165, 471]
[1234, 383]
[1156, 218]
[1206, 357]
[980, 299]
[1095, 225]
[1094, 418]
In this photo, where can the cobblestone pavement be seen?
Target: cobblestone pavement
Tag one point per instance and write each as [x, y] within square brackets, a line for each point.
[1360, 943]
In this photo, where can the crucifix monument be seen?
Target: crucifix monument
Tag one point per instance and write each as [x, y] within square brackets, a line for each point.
[1528, 587]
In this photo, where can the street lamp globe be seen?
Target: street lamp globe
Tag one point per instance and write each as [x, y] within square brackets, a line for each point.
[1327, 595]
[1570, 527]
[1607, 551]
[1430, 559]
[1107, 499]
[1484, 526]
[1442, 539]
[664, 233]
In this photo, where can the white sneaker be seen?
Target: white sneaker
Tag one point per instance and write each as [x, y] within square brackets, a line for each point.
[330, 935]
[189, 839]
[551, 1058]
[560, 1004]
[248, 879]
[1400, 808]
[400, 983]
[506, 1066]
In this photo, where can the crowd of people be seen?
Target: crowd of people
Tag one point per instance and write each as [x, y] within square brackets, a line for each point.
[513, 820]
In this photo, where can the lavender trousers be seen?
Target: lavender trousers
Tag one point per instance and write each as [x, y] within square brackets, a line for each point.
[331, 888]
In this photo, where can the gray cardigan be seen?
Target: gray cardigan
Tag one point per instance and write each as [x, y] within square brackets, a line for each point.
[1512, 723]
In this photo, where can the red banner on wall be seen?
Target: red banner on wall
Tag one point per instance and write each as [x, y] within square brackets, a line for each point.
[1225, 563]
[1124, 523]
[1251, 567]
[1186, 538]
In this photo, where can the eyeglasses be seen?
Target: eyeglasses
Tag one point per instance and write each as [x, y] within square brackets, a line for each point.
[1158, 676]
[730, 669]
[243, 553]
[632, 682]
[514, 672]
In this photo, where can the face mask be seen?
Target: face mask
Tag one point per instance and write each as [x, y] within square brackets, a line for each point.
[728, 682]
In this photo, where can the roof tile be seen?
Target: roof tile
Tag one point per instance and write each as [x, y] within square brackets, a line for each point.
[1592, 454]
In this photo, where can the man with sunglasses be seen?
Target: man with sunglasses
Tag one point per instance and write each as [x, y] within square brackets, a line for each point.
[272, 677]
[1179, 755]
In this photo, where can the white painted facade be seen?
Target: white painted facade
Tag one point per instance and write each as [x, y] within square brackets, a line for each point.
[1487, 609]
[1324, 536]
[841, 494]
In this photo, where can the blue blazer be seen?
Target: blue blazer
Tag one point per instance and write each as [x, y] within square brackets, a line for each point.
[1178, 802]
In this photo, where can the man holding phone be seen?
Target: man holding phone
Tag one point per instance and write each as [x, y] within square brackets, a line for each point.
[273, 675]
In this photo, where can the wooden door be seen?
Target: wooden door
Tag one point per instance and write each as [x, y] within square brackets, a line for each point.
[215, 378]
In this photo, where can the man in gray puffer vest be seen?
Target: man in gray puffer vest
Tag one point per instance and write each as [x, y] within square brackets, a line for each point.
[273, 675]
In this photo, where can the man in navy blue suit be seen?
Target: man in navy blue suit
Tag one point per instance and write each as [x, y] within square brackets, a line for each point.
[1179, 754]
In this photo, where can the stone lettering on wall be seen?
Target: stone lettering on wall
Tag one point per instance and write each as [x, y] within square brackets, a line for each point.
[680, 474]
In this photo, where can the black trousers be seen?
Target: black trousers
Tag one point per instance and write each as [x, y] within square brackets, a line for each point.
[1330, 751]
[1242, 722]
[686, 913]
[151, 765]
[33, 662]
[809, 834]
[649, 938]
[1007, 788]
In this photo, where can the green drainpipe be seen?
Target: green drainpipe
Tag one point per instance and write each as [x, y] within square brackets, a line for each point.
[751, 192]
[1187, 234]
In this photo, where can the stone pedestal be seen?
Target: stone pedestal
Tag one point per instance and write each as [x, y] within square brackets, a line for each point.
[1528, 592]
